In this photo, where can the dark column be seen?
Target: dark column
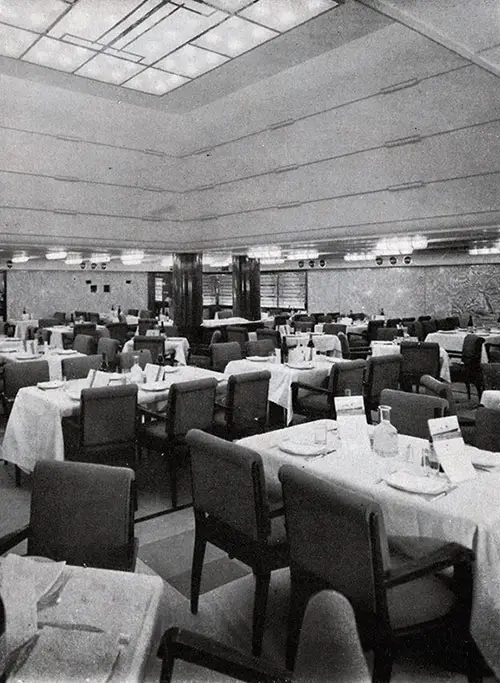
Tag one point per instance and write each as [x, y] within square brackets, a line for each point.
[246, 287]
[187, 291]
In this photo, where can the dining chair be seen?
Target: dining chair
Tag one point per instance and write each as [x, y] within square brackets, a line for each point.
[169, 330]
[261, 347]
[334, 328]
[93, 317]
[190, 405]
[418, 358]
[487, 433]
[303, 325]
[410, 412]
[200, 353]
[78, 367]
[492, 351]
[468, 370]
[319, 402]
[106, 429]
[239, 335]
[231, 511]
[80, 513]
[17, 375]
[125, 359]
[344, 344]
[244, 409]
[329, 649]
[145, 324]
[466, 416]
[133, 311]
[156, 345]
[223, 353]
[84, 343]
[428, 326]
[88, 328]
[145, 313]
[60, 317]
[47, 322]
[491, 375]
[393, 322]
[448, 323]
[81, 315]
[337, 540]
[382, 372]
[108, 348]
[225, 313]
[268, 333]
[386, 333]
[118, 331]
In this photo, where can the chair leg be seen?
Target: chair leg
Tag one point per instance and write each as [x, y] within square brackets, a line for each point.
[382, 663]
[172, 470]
[259, 611]
[17, 475]
[298, 601]
[197, 566]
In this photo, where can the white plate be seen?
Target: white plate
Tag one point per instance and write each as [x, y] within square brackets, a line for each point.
[170, 368]
[297, 448]
[65, 352]
[153, 386]
[413, 483]
[301, 366]
[26, 356]
[54, 384]
[485, 458]
[258, 359]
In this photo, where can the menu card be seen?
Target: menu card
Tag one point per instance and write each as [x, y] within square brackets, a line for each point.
[450, 449]
[351, 421]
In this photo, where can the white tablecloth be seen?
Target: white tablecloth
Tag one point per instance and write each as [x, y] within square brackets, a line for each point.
[469, 515]
[381, 348]
[34, 430]
[52, 357]
[490, 398]
[178, 344]
[322, 342]
[22, 326]
[282, 376]
[454, 340]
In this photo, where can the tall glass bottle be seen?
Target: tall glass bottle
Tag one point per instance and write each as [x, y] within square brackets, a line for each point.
[385, 435]
[310, 349]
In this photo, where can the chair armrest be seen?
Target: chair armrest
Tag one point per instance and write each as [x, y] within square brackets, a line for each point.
[197, 649]
[309, 387]
[447, 555]
[149, 414]
[11, 539]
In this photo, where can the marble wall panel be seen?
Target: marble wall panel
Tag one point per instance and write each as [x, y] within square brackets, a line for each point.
[323, 290]
[43, 292]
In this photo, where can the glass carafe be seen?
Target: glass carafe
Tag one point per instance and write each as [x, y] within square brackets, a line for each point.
[385, 435]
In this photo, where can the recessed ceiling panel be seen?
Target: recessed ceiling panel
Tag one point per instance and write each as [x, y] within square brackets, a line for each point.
[283, 15]
[57, 55]
[155, 81]
[234, 37]
[90, 22]
[231, 5]
[15, 41]
[37, 15]
[191, 61]
[109, 69]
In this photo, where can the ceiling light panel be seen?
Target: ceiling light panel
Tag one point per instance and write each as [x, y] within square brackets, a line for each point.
[15, 41]
[282, 15]
[58, 55]
[37, 15]
[109, 69]
[191, 61]
[231, 5]
[234, 37]
[87, 21]
[155, 81]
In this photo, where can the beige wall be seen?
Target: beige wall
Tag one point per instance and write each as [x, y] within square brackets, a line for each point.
[43, 292]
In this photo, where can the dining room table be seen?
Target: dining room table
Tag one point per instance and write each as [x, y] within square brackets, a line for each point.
[71, 623]
[34, 428]
[323, 343]
[467, 513]
[25, 352]
[453, 340]
[21, 326]
[179, 345]
[385, 348]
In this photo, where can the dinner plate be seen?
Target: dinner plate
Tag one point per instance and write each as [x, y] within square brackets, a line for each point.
[26, 356]
[65, 352]
[53, 384]
[485, 458]
[170, 368]
[258, 359]
[304, 449]
[153, 386]
[301, 366]
[414, 483]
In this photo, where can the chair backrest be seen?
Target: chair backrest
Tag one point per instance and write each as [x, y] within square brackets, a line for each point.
[228, 483]
[329, 629]
[492, 351]
[386, 333]
[85, 328]
[133, 311]
[223, 353]
[491, 375]
[109, 347]
[81, 513]
[145, 324]
[449, 323]
[382, 372]
[108, 415]
[487, 431]
[420, 358]
[247, 395]
[344, 342]
[347, 375]
[125, 360]
[170, 330]
[373, 326]
[156, 345]
[237, 334]
[471, 351]
[145, 313]
[118, 331]
[80, 315]
[47, 322]
[424, 317]
[225, 314]
[415, 329]
[93, 317]
[85, 343]
[428, 326]
[60, 316]
[25, 374]
[78, 367]
[216, 337]
[435, 387]
[190, 406]
[261, 347]
[334, 328]
[410, 412]
[329, 534]
[267, 333]
[303, 325]
[393, 322]
[410, 319]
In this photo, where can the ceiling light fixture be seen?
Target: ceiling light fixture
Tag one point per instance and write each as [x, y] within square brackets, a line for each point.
[20, 257]
[302, 254]
[481, 251]
[100, 258]
[359, 256]
[217, 259]
[270, 252]
[132, 257]
[73, 258]
[167, 261]
[56, 255]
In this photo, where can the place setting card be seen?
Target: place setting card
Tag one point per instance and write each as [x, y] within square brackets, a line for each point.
[351, 421]
[450, 449]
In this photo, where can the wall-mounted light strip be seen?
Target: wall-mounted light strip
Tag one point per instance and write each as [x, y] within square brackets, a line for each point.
[407, 186]
[399, 86]
[399, 142]
[284, 169]
[65, 212]
[280, 124]
[66, 178]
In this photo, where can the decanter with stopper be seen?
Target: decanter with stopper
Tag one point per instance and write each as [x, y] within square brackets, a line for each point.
[385, 435]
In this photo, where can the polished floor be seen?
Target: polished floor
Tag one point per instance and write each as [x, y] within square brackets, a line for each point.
[224, 609]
